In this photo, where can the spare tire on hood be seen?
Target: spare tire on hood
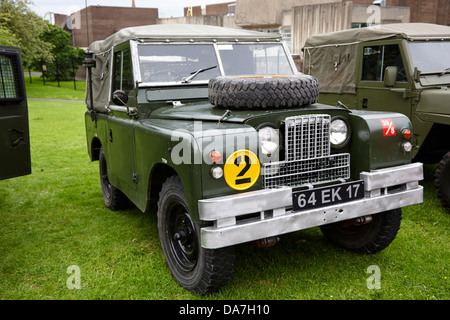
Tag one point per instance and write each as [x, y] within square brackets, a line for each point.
[263, 92]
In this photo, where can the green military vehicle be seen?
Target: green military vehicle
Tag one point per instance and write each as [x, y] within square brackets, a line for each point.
[215, 130]
[402, 68]
[14, 132]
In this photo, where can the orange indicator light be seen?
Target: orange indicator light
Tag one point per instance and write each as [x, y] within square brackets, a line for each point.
[216, 156]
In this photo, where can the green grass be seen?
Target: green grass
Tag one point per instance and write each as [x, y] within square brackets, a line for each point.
[55, 218]
[66, 90]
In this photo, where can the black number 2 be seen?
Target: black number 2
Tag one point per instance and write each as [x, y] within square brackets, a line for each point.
[248, 164]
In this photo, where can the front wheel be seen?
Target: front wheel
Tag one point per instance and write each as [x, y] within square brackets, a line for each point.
[367, 238]
[193, 267]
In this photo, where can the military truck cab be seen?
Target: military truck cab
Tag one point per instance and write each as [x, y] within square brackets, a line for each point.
[401, 68]
[215, 130]
[14, 131]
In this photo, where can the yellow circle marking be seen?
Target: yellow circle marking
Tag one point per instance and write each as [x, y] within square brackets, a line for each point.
[242, 169]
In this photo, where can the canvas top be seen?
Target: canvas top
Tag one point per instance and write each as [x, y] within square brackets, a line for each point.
[180, 32]
[157, 33]
[413, 31]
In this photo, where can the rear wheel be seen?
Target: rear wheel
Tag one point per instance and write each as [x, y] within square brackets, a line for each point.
[442, 181]
[369, 237]
[114, 198]
[193, 267]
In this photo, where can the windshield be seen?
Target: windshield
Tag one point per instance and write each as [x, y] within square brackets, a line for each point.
[254, 59]
[173, 62]
[431, 55]
[199, 62]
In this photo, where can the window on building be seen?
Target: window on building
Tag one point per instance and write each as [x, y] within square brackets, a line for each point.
[231, 9]
[357, 25]
[377, 58]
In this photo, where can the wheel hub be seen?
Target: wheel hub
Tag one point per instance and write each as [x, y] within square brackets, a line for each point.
[183, 239]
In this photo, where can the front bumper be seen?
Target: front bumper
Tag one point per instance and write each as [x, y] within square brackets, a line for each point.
[270, 210]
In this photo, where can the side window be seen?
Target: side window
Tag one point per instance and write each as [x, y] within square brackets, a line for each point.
[377, 58]
[123, 71]
[10, 81]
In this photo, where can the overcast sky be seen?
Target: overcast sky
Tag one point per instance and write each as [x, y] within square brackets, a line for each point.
[167, 9]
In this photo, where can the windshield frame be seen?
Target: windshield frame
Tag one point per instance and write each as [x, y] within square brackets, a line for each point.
[134, 44]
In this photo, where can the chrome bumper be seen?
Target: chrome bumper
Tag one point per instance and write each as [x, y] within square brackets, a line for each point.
[385, 189]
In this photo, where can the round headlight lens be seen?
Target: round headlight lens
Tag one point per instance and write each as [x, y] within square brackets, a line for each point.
[269, 140]
[339, 133]
[217, 172]
[407, 146]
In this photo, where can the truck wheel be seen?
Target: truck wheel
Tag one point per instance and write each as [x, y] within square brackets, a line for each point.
[442, 181]
[264, 92]
[365, 238]
[193, 267]
[114, 198]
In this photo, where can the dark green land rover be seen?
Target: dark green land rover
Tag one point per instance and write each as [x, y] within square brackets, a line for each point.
[217, 129]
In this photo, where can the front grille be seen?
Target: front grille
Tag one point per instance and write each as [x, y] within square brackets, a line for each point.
[307, 153]
[307, 137]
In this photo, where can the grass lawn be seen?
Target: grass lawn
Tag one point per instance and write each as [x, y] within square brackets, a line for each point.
[66, 90]
[55, 218]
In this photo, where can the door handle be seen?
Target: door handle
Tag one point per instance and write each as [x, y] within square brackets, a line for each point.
[364, 103]
[15, 138]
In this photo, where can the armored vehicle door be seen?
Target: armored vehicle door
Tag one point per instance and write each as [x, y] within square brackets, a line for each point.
[120, 153]
[383, 79]
[14, 133]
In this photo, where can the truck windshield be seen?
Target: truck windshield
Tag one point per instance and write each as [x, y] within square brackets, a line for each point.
[254, 59]
[175, 62]
[431, 55]
[178, 62]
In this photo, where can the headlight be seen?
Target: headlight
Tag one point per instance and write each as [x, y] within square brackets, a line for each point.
[269, 140]
[339, 133]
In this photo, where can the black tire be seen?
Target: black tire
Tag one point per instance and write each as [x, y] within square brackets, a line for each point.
[264, 92]
[114, 198]
[442, 181]
[193, 267]
[366, 238]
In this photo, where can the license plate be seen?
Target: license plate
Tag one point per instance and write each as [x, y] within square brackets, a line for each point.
[321, 197]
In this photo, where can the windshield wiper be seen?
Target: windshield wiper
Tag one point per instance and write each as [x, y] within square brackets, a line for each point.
[195, 73]
[441, 73]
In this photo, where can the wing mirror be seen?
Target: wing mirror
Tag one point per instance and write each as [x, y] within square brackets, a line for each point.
[120, 98]
[390, 76]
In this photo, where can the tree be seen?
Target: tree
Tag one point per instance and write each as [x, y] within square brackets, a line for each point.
[66, 59]
[6, 37]
[21, 27]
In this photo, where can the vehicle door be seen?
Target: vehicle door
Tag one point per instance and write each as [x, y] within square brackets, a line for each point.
[121, 143]
[14, 131]
[372, 92]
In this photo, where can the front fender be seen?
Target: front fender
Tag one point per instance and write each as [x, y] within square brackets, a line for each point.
[158, 142]
[433, 106]
[375, 145]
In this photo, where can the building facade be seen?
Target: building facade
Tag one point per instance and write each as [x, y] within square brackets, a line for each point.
[99, 22]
